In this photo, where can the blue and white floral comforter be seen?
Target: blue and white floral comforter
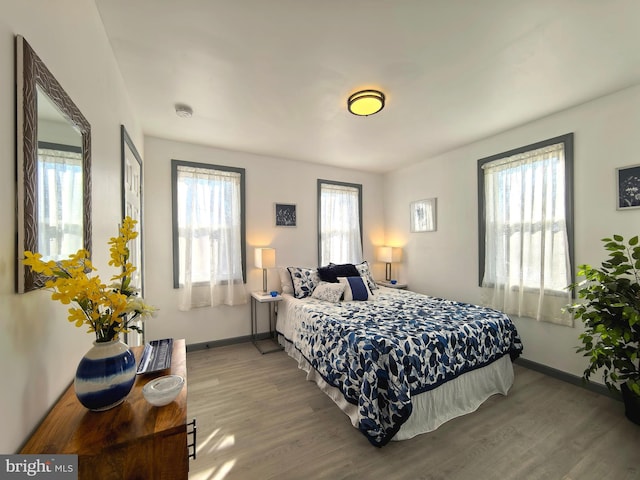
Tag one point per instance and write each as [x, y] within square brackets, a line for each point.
[380, 353]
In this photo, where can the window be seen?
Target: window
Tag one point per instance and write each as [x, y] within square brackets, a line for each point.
[60, 200]
[526, 229]
[208, 233]
[339, 222]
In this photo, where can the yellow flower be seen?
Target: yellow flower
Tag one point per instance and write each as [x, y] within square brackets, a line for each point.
[77, 316]
[34, 260]
[106, 310]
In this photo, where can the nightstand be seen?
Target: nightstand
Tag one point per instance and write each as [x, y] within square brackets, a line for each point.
[262, 297]
[384, 283]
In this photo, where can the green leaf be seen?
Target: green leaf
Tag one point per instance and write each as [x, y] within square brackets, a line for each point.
[610, 312]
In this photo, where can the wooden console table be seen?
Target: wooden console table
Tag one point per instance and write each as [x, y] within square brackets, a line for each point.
[134, 440]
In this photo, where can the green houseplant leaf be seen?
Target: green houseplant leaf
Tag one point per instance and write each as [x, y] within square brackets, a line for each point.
[610, 311]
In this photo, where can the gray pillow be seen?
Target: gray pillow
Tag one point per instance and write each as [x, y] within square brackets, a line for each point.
[330, 292]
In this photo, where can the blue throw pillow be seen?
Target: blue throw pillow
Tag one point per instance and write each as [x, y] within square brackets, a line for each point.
[355, 289]
[331, 272]
[326, 275]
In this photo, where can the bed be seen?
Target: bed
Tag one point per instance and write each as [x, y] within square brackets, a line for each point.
[400, 364]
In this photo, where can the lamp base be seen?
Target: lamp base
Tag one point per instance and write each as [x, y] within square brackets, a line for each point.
[388, 272]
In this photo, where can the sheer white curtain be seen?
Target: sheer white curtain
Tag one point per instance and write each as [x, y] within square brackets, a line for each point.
[60, 201]
[526, 243]
[340, 240]
[210, 237]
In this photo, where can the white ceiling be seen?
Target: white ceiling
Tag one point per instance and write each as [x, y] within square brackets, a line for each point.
[272, 76]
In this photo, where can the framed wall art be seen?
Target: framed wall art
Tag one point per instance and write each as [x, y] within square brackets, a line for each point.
[628, 187]
[423, 215]
[285, 215]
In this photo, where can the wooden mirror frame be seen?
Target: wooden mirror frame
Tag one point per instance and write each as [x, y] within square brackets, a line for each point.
[31, 74]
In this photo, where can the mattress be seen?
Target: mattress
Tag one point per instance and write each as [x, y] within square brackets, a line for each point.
[404, 363]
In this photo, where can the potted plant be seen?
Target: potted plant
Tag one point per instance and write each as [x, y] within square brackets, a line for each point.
[611, 315]
[107, 372]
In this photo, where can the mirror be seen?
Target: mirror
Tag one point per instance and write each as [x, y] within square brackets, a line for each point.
[53, 168]
[132, 201]
[132, 207]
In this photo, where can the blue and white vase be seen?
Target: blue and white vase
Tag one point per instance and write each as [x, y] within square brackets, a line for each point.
[105, 375]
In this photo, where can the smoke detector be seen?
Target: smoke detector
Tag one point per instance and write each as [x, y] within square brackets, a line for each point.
[184, 111]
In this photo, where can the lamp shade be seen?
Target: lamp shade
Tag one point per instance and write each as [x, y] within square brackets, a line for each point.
[366, 102]
[389, 254]
[265, 257]
[384, 254]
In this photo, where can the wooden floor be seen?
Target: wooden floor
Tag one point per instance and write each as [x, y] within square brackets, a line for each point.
[258, 418]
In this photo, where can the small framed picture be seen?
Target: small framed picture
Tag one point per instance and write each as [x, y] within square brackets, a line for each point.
[628, 187]
[285, 215]
[423, 215]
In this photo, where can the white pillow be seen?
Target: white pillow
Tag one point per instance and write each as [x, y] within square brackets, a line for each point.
[285, 280]
[365, 272]
[304, 281]
[356, 288]
[330, 292]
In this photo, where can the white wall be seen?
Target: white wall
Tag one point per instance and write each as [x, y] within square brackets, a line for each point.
[39, 349]
[445, 263]
[268, 180]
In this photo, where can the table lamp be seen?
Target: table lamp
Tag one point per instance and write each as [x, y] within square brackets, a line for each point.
[265, 258]
[389, 255]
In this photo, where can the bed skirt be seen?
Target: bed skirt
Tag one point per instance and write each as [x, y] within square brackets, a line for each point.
[457, 397]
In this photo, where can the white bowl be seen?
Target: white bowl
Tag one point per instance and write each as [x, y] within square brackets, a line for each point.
[163, 390]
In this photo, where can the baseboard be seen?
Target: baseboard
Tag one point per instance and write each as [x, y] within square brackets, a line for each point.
[567, 377]
[226, 341]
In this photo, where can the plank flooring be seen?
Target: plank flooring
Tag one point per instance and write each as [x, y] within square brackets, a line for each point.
[258, 418]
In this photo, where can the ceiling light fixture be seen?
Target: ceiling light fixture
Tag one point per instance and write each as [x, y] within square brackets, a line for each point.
[366, 102]
[184, 111]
